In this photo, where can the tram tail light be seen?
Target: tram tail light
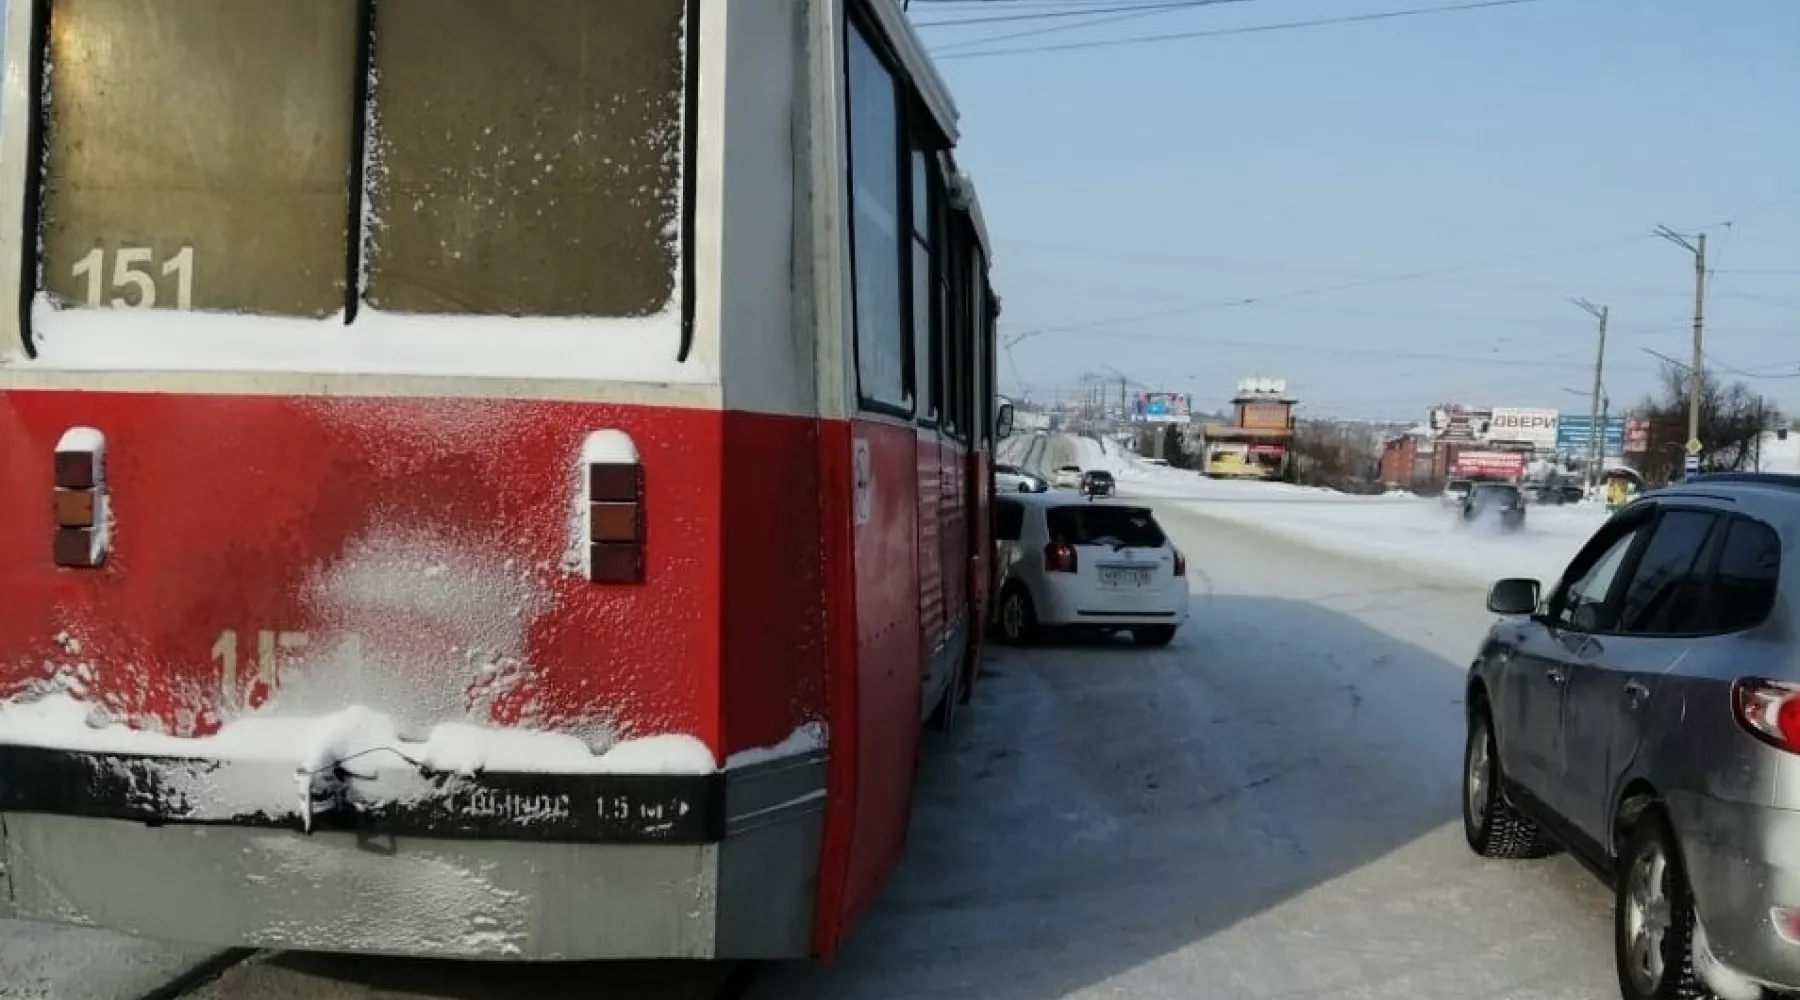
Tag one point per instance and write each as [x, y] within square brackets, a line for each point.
[78, 500]
[614, 513]
[1059, 557]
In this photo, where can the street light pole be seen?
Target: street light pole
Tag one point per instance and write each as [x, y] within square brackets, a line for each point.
[1698, 249]
[1596, 427]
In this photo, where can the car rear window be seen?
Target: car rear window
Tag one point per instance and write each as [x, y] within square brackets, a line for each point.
[1744, 582]
[1096, 524]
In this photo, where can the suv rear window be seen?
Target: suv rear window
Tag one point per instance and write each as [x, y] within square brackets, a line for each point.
[1095, 524]
[1744, 582]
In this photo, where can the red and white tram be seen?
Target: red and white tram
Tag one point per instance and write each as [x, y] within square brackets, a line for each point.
[484, 478]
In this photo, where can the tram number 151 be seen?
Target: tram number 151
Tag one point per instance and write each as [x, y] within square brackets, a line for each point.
[131, 273]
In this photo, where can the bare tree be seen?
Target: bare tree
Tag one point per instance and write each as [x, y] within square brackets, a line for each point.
[1732, 419]
[1331, 454]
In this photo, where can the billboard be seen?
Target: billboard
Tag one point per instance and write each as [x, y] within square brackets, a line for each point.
[1160, 408]
[1264, 416]
[1457, 423]
[1576, 433]
[1637, 436]
[1489, 464]
[1536, 428]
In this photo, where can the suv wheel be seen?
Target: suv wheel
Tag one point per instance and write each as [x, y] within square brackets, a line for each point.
[1653, 917]
[1494, 828]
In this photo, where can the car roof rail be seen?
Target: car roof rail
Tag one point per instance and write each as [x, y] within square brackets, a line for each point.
[1759, 478]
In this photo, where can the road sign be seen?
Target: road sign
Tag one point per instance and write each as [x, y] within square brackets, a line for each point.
[1693, 446]
[1692, 466]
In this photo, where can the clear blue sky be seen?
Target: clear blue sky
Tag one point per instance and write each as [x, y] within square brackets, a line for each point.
[1120, 181]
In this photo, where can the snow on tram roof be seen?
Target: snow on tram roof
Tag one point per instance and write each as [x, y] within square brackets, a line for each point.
[911, 50]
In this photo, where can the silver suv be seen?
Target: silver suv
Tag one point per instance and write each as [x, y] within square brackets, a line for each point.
[1644, 714]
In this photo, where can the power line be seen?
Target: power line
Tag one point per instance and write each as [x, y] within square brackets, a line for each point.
[1248, 29]
[1339, 286]
[1353, 351]
[1129, 14]
[1793, 369]
[1144, 6]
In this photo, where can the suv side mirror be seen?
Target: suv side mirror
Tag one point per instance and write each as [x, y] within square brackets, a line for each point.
[1513, 596]
[1003, 421]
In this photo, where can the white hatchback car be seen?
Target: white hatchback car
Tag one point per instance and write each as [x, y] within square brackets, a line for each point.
[1066, 477]
[1012, 479]
[1064, 561]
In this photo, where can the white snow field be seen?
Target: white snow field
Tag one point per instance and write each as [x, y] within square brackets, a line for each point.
[1417, 531]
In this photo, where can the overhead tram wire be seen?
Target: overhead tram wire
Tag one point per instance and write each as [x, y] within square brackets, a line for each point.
[1113, 7]
[1094, 19]
[1335, 287]
[1377, 279]
[1172, 36]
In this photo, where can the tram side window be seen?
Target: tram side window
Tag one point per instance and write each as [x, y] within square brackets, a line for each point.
[526, 157]
[928, 330]
[195, 154]
[958, 363]
[978, 332]
[883, 347]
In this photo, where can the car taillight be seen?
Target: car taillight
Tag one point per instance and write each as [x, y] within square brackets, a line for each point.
[1180, 563]
[1059, 557]
[1768, 710]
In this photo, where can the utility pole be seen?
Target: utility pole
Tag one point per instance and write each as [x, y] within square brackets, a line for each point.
[1696, 247]
[1596, 419]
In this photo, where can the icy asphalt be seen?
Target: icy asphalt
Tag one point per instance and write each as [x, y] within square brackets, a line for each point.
[1267, 808]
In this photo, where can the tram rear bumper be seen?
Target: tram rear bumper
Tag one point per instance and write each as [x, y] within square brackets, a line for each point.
[500, 866]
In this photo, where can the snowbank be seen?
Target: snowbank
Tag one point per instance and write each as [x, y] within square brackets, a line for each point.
[1395, 527]
[310, 743]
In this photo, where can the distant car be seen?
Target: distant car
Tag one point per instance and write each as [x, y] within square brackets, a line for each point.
[1555, 494]
[1455, 492]
[1643, 711]
[1098, 483]
[1068, 563]
[1503, 502]
[1012, 479]
[1066, 477]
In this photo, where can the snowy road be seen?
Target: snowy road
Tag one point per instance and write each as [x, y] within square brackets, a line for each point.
[1267, 808]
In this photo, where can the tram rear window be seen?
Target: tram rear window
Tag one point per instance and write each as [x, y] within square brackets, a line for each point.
[526, 156]
[195, 154]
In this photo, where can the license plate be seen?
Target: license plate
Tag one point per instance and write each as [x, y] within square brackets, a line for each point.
[1116, 577]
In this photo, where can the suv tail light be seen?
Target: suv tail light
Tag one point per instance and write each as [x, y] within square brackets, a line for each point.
[1059, 557]
[1180, 563]
[1768, 710]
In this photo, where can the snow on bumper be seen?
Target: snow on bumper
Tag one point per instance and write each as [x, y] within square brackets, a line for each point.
[497, 865]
